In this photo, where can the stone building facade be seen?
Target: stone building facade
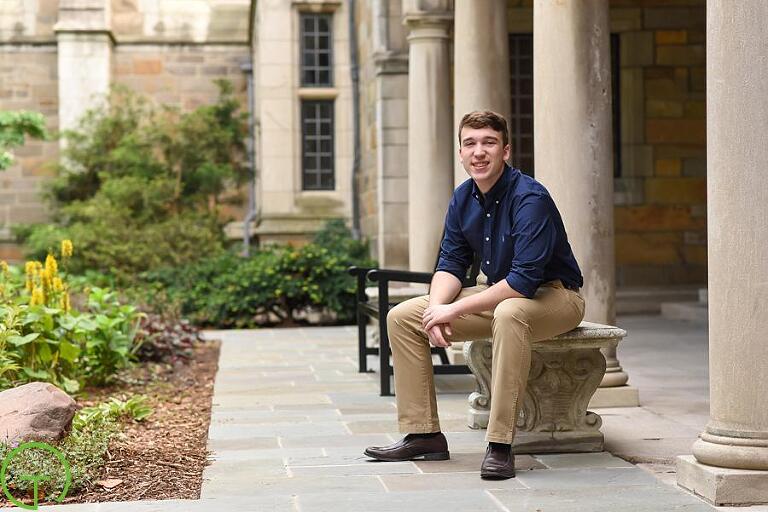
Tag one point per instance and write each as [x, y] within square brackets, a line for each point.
[172, 51]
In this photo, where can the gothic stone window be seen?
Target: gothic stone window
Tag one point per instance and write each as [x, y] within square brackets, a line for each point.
[316, 50]
[317, 147]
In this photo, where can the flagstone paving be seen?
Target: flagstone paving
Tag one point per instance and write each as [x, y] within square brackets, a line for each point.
[291, 417]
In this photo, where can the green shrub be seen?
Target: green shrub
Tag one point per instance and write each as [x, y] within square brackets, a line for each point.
[139, 186]
[14, 127]
[277, 284]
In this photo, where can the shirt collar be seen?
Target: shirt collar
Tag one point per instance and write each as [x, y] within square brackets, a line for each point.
[499, 188]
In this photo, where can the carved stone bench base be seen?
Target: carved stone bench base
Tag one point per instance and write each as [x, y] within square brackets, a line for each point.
[565, 372]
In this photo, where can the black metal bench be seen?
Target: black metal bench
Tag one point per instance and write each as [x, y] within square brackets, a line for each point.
[378, 310]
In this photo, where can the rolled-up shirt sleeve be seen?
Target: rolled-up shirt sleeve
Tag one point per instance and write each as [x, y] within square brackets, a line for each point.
[455, 251]
[534, 236]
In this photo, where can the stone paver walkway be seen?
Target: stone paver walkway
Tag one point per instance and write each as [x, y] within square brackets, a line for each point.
[292, 416]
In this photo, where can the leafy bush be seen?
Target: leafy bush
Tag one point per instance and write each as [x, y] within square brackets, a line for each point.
[277, 284]
[93, 428]
[14, 127]
[44, 338]
[139, 186]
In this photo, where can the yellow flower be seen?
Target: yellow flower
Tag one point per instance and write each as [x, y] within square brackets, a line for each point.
[64, 302]
[66, 248]
[58, 284]
[4, 268]
[29, 268]
[38, 297]
[51, 266]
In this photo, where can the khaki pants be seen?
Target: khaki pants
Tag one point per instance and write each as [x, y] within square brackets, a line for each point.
[513, 326]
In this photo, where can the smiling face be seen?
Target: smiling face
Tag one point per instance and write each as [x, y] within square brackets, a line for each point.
[483, 154]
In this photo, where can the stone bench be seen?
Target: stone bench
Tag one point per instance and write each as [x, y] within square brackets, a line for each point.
[565, 372]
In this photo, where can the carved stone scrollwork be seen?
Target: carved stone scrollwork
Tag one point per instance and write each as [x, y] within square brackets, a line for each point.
[565, 372]
[560, 385]
[478, 355]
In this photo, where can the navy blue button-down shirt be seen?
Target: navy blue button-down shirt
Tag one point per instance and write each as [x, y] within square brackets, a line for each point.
[515, 228]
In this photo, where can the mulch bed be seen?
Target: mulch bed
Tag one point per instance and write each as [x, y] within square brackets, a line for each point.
[164, 456]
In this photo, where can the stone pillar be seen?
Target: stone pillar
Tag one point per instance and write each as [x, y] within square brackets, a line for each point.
[85, 57]
[430, 134]
[574, 151]
[481, 63]
[731, 456]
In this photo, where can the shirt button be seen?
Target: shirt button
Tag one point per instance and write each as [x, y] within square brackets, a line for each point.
[487, 214]
[487, 238]
[497, 202]
[487, 262]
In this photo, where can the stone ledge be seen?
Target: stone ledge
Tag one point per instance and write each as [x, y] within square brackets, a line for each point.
[722, 486]
[619, 396]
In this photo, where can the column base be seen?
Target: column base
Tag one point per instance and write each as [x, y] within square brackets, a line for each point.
[621, 396]
[722, 486]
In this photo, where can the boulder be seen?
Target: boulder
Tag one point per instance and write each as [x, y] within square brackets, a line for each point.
[37, 411]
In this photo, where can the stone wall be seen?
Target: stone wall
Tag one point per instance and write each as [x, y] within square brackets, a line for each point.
[173, 57]
[28, 81]
[660, 195]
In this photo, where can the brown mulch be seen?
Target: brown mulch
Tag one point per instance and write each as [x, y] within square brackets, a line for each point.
[164, 456]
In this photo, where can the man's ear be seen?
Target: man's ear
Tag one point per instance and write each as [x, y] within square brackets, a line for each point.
[507, 152]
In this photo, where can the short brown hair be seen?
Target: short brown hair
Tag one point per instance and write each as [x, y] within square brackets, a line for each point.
[486, 119]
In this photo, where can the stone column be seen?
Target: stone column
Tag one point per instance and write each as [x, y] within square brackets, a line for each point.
[574, 151]
[430, 134]
[481, 63]
[736, 436]
[85, 57]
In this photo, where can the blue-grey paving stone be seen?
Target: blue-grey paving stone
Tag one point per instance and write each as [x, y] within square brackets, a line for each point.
[578, 478]
[446, 481]
[655, 498]
[465, 462]
[262, 504]
[304, 407]
[240, 431]
[360, 469]
[247, 443]
[242, 485]
[360, 440]
[583, 460]
[425, 501]
[261, 467]
[265, 454]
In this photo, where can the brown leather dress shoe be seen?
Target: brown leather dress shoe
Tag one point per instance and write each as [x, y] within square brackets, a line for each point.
[498, 464]
[412, 448]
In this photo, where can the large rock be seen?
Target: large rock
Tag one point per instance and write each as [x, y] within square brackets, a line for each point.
[35, 412]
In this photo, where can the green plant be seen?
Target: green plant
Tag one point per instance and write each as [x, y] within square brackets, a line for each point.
[277, 284]
[93, 428]
[140, 186]
[14, 127]
[43, 338]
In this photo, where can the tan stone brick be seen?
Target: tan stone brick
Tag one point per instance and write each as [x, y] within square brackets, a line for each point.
[676, 131]
[688, 55]
[664, 108]
[674, 151]
[695, 109]
[636, 160]
[699, 79]
[11, 253]
[695, 167]
[144, 66]
[675, 190]
[668, 168]
[648, 248]
[636, 48]
[625, 19]
[650, 217]
[665, 37]
[695, 254]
